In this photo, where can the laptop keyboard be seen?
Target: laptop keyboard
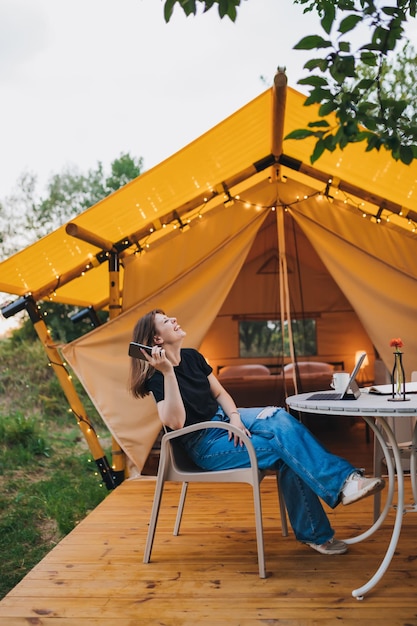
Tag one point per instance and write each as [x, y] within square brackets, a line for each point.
[331, 395]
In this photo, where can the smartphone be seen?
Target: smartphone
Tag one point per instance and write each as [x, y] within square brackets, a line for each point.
[134, 350]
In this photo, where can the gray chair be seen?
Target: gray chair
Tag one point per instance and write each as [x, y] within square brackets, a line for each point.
[176, 466]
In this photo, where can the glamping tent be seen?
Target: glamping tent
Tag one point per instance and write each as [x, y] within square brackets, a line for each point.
[236, 226]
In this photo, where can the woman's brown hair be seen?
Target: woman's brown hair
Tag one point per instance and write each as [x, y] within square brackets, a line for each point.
[144, 332]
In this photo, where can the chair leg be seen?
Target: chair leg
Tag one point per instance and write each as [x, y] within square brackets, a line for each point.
[154, 518]
[259, 529]
[282, 509]
[180, 508]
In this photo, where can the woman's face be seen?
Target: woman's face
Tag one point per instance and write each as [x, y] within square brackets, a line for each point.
[168, 331]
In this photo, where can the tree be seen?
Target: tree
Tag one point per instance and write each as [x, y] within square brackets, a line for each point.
[397, 83]
[25, 218]
[14, 233]
[346, 112]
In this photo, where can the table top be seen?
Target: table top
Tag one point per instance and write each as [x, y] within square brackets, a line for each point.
[367, 404]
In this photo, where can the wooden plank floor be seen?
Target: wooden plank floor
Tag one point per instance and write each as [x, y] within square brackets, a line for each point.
[209, 574]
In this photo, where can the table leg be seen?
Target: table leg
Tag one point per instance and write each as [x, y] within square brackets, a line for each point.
[393, 473]
[413, 467]
[378, 521]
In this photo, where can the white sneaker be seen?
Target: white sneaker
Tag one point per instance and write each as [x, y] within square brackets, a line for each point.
[333, 546]
[357, 486]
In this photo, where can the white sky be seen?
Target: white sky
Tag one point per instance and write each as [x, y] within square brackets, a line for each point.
[83, 81]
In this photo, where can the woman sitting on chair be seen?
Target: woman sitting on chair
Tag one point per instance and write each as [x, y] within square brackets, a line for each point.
[187, 392]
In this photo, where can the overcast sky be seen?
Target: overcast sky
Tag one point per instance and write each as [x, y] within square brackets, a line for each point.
[83, 81]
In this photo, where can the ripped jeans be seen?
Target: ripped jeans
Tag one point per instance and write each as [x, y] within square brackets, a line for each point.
[307, 471]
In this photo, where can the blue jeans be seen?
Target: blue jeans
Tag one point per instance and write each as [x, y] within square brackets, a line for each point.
[307, 471]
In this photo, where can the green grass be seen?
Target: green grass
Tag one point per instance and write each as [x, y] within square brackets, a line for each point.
[48, 478]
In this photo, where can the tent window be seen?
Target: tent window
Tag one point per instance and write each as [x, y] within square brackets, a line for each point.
[263, 338]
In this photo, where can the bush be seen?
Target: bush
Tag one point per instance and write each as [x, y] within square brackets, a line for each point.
[49, 480]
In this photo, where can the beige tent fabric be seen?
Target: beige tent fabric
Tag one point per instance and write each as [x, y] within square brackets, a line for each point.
[189, 277]
[57, 265]
[374, 266]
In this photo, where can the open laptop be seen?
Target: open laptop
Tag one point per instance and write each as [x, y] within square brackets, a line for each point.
[351, 392]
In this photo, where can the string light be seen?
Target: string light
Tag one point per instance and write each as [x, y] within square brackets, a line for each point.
[181, 224]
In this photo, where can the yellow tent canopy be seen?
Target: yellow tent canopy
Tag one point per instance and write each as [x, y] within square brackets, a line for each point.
[188, 232]
[70, 270]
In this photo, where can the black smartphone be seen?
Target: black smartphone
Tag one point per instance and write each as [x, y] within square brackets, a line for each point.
[134, 350]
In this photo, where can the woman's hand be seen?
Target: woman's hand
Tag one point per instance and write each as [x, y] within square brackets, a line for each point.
[229, 407]
[236, 421]
[158, 359]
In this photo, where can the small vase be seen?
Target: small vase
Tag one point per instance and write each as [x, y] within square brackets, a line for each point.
[398, 379]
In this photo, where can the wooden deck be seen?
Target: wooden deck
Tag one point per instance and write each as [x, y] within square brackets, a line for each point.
[209, 574]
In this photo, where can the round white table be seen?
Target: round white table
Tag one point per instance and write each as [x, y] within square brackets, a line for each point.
[375, 409]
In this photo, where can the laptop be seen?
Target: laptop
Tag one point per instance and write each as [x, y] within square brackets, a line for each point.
[351, 392]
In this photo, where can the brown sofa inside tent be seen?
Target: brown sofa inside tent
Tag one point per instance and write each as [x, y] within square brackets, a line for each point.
[255, 385]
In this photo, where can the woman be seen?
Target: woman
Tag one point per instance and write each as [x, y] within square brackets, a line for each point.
[187, 392]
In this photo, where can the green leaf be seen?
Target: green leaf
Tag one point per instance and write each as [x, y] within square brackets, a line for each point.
[348, 66]
[369, 58]
[301, 133]
[406, 154]
[398, 107]
[380, 38]
[343, 141]
[321, 64]
[330, 143]
[374, 143]
[327, 108]
[369, 122]
[349, 23]
[363, 135]
[227, 7]
[342, 68]
[393, 142]
[312, 41]
[318, 150]
[329, 15]
[344, 46]
[168, 9]
[365, 83]
[188, 6]
[317, 95]
[315, 81]
[319, 124]
[389, 10]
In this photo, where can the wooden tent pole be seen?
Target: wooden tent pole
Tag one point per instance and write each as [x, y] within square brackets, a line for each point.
[279, 99]
[118, 456]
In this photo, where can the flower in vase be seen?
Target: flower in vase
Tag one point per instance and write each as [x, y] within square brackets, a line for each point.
[397, 376]
[397, 344]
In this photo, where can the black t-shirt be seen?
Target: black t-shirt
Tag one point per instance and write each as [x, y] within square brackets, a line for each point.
[191, 374]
